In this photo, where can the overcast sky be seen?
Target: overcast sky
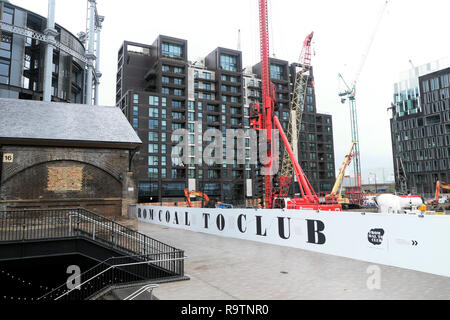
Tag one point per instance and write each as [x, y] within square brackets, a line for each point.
[410, 29]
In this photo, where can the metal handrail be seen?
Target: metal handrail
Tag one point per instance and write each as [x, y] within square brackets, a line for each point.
[95, 222]
[84, 273]
[148, 288]
[116, 266]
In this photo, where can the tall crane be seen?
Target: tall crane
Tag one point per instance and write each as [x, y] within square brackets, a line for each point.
[357, 193]
[263, 117]
[297, 108]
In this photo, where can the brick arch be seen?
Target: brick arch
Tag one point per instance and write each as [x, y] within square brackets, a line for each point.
[11, 173]
[15, 169]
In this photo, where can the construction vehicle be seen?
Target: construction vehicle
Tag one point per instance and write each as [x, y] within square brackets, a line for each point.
[437, 203]
[336, 192]
[356, 193]
[263, 117]
[188, 195]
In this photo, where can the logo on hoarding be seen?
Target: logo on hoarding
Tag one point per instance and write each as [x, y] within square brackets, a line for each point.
[375, 236]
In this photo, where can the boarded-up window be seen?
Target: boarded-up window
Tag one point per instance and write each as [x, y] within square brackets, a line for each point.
[65, 178]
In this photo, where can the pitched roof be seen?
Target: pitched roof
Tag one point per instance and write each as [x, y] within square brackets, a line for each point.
[65, 124]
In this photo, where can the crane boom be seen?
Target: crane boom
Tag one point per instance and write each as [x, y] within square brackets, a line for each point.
[345, 164]
[296, 114]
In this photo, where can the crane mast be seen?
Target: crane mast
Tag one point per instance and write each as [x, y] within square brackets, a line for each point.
[296, 114]
[263, 118]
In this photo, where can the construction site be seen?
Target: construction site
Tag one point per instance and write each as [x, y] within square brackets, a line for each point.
[209, 180]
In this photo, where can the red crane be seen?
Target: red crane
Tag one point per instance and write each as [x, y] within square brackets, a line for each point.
[263, 118]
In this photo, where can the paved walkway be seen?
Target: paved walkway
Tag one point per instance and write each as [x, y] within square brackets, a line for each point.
[232, 269]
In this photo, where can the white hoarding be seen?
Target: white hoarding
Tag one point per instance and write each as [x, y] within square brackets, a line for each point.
[405, 241]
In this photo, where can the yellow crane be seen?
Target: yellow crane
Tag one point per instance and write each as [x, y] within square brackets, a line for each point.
[335, 195]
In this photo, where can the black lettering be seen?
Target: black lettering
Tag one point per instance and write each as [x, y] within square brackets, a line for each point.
[316, 227]
[176, 218]
[240, 223]
[139, 213]
[259, 227]
[206, 217]
[150, 213]
[167, 216]
[144, 213]
[186, 219]
[220, 221]
[159, 214]
[281, 228]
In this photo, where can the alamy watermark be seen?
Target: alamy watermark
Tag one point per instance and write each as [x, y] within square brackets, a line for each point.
[232, 147]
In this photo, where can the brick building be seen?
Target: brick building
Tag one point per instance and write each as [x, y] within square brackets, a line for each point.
[57, 155]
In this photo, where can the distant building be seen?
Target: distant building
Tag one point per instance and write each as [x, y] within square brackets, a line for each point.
[64, 155]
[420, 128]
[22, 57]
[160, 91]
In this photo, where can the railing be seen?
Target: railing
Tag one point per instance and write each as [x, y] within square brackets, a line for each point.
[148, 288]
[114, 271]
[140, 251]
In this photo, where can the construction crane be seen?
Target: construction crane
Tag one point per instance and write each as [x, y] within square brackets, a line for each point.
[357, 193]
[297, 108]
[188, 195]
[336, 192]
[263, 118]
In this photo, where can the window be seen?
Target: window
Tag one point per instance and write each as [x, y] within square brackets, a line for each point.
[163, 113]
[276, 72]
[135, 111]
[164, 125]
[153, 124]
[228, 62]
[172, 50]
[207, 75]
[153, 136]
[165, 80]
[163, 137]
[165, 91]
[223, 77]
[191, 116]
[135, 123]
[191, 105]
[178, 81]
[163, 173]
[178, 92]
[207, 96]
[153, 101]
[153, 160]
[135, 96]
[153, 148]
[177, 104]
[153, 112]
[165, 68]
[178, 70]
[8, 15]
[177, 115]
[207, 86]
[153, 173]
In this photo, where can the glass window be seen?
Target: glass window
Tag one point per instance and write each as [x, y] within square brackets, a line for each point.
[153, 124]
[172, 50]
[276, 72]
[153, 101]
[135, 110]
[136, 98]
[228, 62]
[153, 173]
[135, 123]
[153, 136]
[165, 68]
[153, 148]
[153, 112]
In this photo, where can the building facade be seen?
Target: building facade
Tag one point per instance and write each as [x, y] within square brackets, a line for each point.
[22, 57]
[160, 91]
[66, 164]
[420, 129]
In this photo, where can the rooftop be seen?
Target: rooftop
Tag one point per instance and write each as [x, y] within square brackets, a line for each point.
[63, 124]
